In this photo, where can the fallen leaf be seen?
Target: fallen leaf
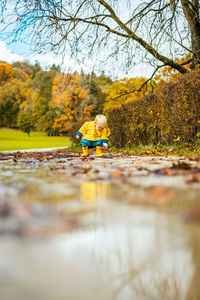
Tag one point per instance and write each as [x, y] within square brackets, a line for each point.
[140, 153]
[149, 152]
[182, 165]
[117, 173]
[194, 178]
[167, 171]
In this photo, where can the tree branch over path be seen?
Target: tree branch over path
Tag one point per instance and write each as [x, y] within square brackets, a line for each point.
[152, 32]
[141, 87]
[146, 82]
[149, 48]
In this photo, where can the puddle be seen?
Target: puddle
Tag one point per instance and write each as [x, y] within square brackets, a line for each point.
[98, 229]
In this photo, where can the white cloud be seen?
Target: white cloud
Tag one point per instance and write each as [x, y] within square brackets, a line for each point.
[7, 55]
[45, 60]
[67, 64]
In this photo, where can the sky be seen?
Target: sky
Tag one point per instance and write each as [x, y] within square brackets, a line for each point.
[12, 52]
[20, 51]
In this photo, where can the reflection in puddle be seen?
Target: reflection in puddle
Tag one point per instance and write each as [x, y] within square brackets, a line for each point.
[117, 251]
[91, 191]
[126, 253]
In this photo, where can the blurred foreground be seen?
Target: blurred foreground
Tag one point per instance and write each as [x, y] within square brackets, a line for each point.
[121, 227]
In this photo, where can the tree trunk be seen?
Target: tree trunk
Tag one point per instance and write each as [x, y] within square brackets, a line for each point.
[191, 11]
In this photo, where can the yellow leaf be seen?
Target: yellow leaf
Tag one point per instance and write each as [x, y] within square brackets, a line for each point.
[178, 139]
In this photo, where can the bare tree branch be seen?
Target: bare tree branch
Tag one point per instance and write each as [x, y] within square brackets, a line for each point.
[141, 87]
[152, 31]
[150, 49]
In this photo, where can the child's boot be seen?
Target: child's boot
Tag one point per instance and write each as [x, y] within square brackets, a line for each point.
[98, 151]
[85, 151]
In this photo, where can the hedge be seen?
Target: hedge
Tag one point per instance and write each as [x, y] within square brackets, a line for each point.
[171, 113]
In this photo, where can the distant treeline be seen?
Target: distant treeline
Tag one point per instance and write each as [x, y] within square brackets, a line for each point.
[49, 101]
[56, 102]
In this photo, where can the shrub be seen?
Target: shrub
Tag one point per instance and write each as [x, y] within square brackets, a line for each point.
[171, 113]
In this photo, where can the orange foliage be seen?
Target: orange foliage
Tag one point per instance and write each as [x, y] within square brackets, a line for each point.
[70, 100]
[168, 74]
[26, 76]
[6, 73]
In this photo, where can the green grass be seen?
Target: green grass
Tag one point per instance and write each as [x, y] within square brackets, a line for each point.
[191, 150]
[11, 139]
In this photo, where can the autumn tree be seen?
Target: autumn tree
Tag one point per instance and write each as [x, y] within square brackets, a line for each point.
[6, 73]
[21, 75]
[168, 74]
[26, 67]
[70, 101]
[103, 82]
[12, 94]
[96, 96]
[42, 111]
[25, 122]
[120, 92]
[15, 91]
[110, 30]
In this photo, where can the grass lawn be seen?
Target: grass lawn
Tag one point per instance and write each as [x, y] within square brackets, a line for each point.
[11, 139]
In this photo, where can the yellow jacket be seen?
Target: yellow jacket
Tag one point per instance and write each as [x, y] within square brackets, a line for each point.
[89, 132]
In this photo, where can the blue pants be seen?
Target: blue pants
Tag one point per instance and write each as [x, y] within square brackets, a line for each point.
[91, 144]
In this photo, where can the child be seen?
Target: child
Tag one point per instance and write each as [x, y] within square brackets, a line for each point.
[94, 134]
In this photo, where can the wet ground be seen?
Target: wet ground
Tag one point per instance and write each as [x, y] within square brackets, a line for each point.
[119, 227]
